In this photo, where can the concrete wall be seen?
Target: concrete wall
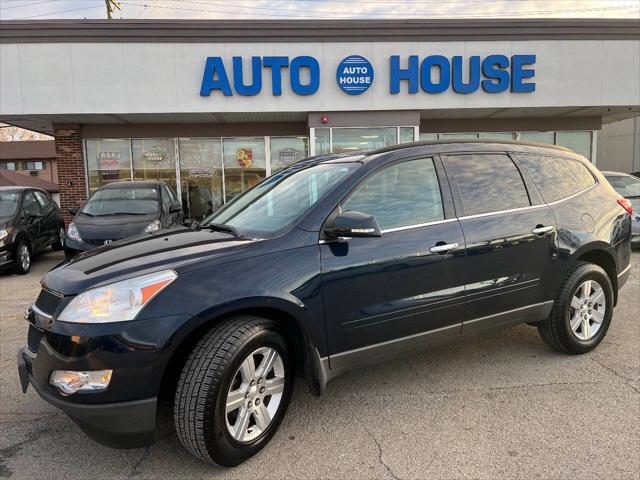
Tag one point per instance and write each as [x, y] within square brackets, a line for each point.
[619, 146]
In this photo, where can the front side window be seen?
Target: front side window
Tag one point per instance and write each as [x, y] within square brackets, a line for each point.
[30, 205]
[556, 177]
[281, 200]
[401, 195]
[487, 183]
[122, 201]
[42, 198]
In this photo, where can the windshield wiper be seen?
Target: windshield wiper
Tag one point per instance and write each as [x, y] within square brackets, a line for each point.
[222, 227]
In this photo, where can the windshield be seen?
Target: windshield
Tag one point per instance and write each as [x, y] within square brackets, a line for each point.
[8, 203]
[280, 200]
[122, 201]
[627, 186]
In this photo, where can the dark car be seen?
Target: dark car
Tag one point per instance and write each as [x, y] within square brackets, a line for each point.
[30, 221]
[120, 210]
[331, 264]
[629, 187]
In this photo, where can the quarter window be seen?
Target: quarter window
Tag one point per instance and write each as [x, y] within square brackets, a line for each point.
[555, 177]
[487, 183]
[401, 195]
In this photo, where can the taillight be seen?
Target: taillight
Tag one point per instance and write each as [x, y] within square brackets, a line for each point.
[626, 204]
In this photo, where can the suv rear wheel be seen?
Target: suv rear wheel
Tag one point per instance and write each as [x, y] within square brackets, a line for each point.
[582, 312]
[233, 391]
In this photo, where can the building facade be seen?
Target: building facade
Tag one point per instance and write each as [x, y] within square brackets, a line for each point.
[213, 107]
[32, 158]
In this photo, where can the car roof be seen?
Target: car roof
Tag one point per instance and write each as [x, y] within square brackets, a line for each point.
[11, 188]
[133, 184]
[617, 174]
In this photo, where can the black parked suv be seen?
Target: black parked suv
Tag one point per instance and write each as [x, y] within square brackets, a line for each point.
[30, 221]
[122, 209]
[332, 264]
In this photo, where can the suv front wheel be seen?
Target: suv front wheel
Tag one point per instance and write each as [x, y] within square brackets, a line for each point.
[582, 311]
[233, 391]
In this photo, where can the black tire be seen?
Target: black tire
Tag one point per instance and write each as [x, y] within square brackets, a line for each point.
[556, 330]
[59, 243]
[200, 399]
[18, 265]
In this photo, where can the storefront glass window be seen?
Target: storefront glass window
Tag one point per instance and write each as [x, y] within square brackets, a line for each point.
[107, 161]
[458, 136]
[322, 141]
[428, 136]
[353, 139]
[200, 176]
[579, 142]
[287, 150]
[539, 137]
[244, 164]
[406, 135]
[496, 135]
[154, 159]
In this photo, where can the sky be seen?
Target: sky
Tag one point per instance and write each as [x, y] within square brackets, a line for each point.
[316, 9]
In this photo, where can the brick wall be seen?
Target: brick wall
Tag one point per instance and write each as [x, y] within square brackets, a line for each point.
[70, 166]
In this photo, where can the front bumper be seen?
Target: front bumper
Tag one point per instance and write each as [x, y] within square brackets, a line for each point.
[6, 254]
[119, 425]
[73, 247]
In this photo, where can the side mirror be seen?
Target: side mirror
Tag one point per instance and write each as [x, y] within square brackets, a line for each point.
[354, 224]
[175, 208]
[74, 211]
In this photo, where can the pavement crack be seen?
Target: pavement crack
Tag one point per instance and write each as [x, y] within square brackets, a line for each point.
[381, 454]
[9, 452]
[627, 380]
[135, 470]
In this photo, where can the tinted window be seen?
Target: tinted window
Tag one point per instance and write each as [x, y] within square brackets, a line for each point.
[555, 177]
[8, 203]
[30, 204]
[122, 201]
[401, 195]
[625, 185]
[43, 200]
[487, 183]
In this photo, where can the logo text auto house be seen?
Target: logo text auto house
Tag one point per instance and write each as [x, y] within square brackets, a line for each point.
[432, 74]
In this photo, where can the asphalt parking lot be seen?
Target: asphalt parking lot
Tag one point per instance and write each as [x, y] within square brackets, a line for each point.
[496, 406]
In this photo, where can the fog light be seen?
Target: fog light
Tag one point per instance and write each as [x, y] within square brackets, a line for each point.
[69, 382]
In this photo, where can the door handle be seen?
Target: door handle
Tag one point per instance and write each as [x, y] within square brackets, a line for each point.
[542, 230]
[444, 248]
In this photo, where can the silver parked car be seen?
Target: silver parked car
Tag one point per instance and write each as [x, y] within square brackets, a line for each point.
[629, 187]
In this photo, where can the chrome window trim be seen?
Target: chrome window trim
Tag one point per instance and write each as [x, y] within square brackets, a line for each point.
[417, 225]
[594, 185]
[499, 212]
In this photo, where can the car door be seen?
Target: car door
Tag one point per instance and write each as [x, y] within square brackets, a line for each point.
[510, 240]
[33, 221]
[50, 218]
[401, 290]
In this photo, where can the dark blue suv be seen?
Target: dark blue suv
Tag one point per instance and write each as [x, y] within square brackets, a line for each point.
[332, 264]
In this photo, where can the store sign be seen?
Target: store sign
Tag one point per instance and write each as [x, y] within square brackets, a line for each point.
[154, 156]
[108, 160]
[433, 74]
[244, 157]
[288, 156]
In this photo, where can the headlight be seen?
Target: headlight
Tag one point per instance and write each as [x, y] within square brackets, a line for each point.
[73, 233]
[116, 302]
[5, 232]
[69, 381]
[152, 227]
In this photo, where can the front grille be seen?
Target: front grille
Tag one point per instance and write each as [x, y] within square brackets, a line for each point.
[95, 242]
[47, 302]
[34, 335]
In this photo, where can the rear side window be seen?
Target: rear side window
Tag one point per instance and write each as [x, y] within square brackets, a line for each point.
[487, 183]
[401, 195]
[556, 177]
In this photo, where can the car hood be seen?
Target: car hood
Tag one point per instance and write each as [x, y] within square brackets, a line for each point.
[112, 227]
[175, 248]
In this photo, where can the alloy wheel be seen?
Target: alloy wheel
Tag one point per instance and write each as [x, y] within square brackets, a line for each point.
[24, 257]
[255, 394]
[587, 311]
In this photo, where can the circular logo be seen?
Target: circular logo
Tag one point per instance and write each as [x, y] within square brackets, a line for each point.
[354, 75]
